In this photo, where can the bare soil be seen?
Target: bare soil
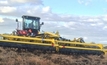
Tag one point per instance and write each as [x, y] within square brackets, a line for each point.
[13, 57]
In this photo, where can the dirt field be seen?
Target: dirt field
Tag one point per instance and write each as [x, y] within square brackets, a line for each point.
[12, 57]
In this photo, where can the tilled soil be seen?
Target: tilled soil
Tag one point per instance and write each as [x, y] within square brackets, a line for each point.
[13, 57]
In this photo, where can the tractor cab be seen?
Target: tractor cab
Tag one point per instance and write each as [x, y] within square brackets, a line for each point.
[30, 22]
[30, 25]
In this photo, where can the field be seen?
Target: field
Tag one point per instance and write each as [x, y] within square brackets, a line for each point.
[11, 57]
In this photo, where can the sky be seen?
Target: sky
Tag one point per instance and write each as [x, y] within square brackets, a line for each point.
[72, 18]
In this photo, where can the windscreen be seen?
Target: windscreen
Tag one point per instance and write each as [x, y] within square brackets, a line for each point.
[31, 23]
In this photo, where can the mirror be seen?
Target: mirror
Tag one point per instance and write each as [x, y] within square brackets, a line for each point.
[16, 20]
[42, 23]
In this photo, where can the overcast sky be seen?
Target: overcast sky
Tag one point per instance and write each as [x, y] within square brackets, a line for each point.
[72, 18]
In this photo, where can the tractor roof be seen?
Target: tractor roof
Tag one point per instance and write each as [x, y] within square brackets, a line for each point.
[30, 16]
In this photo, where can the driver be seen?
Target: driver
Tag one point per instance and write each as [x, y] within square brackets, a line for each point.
[31, 25]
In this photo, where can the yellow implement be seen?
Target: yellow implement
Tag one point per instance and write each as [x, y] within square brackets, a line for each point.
[59, 46]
